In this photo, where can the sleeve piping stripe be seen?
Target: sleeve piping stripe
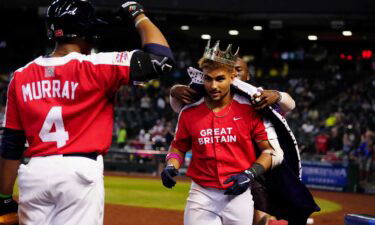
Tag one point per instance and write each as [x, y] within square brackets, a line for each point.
[96, 59]
[22, 68]
[192, 105]
[186, 107]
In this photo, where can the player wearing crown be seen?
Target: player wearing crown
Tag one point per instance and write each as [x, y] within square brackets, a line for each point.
[221, 129]
[281, 101]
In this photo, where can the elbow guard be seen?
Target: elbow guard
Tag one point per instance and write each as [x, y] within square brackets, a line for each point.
[12, 144]
[146, 66]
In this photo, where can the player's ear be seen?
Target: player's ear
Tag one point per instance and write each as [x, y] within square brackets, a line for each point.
[232, 74]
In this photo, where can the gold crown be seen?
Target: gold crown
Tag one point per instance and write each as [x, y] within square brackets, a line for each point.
[215, 54]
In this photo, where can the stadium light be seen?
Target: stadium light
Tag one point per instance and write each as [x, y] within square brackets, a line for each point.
[185, 27]
[233, 32]
[347, 33]
[205, 36]
[312, 37]
[257, 28]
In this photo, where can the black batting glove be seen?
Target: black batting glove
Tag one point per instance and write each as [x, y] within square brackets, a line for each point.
[8, 205]
[167, 176]
[241, 182]
[131, 9]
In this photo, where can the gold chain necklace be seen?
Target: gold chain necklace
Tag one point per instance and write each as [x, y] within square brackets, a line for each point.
[225, 114]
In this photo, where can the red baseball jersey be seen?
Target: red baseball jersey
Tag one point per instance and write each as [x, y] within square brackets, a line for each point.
[222, 143]
[66, 104]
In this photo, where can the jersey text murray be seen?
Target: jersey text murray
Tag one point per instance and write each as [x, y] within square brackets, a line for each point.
[49, 89]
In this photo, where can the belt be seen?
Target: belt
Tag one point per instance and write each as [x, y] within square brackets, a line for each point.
[91, 155]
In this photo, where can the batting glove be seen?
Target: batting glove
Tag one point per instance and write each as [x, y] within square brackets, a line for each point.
[167, 176]
[241, 182]
[131, 9]
[8, 205]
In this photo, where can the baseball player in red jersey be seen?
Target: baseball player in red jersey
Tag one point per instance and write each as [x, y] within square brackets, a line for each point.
[63, 105]
[221, 129]
[182, 95]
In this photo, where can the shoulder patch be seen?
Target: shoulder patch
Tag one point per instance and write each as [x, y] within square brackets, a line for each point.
[121, 58]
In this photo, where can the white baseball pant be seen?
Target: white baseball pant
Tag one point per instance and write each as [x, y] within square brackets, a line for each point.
[57, 190]
[209, 206]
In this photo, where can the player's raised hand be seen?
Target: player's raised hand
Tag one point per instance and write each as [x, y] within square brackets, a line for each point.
[241, 182]
[184, 94]
[131, 9]
[266, 98]
[8, 205]
[167, 176]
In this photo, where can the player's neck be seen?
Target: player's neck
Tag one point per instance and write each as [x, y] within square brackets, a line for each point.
[218, 105]
[66, 48]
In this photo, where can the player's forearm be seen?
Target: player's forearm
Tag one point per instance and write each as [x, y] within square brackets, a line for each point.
[8, 175]
[176, 104]
[265, 160]
[149, 33]
[12, 147]
[177, 159]
[286, 102]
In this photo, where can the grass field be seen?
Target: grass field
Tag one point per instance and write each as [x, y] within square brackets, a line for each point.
[145, 193]
[151, 193]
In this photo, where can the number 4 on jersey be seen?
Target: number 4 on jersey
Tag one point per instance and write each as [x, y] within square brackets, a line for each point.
[60, 135]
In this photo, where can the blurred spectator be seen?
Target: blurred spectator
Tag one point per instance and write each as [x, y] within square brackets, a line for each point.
[145, 139]
[157, 135]
[169, 133]
[145, 103]
[331, 120]
[335, 140]
[121, 136]
[322, 143]
[348, 140]
[160, 105]
[313, 114]
[364, 154]
[308, 127]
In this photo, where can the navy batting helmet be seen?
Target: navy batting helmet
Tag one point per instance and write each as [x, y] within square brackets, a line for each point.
[72, 18]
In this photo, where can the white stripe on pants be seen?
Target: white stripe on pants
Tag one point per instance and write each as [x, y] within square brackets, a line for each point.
[209, 206]
[57, 190]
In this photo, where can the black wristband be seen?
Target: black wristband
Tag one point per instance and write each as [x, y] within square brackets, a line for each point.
[257, 169]
[2, 196]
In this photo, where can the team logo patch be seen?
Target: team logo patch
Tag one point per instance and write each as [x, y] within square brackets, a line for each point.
[49, 72]
[132, 8]
[121, 57]
[59, 33]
